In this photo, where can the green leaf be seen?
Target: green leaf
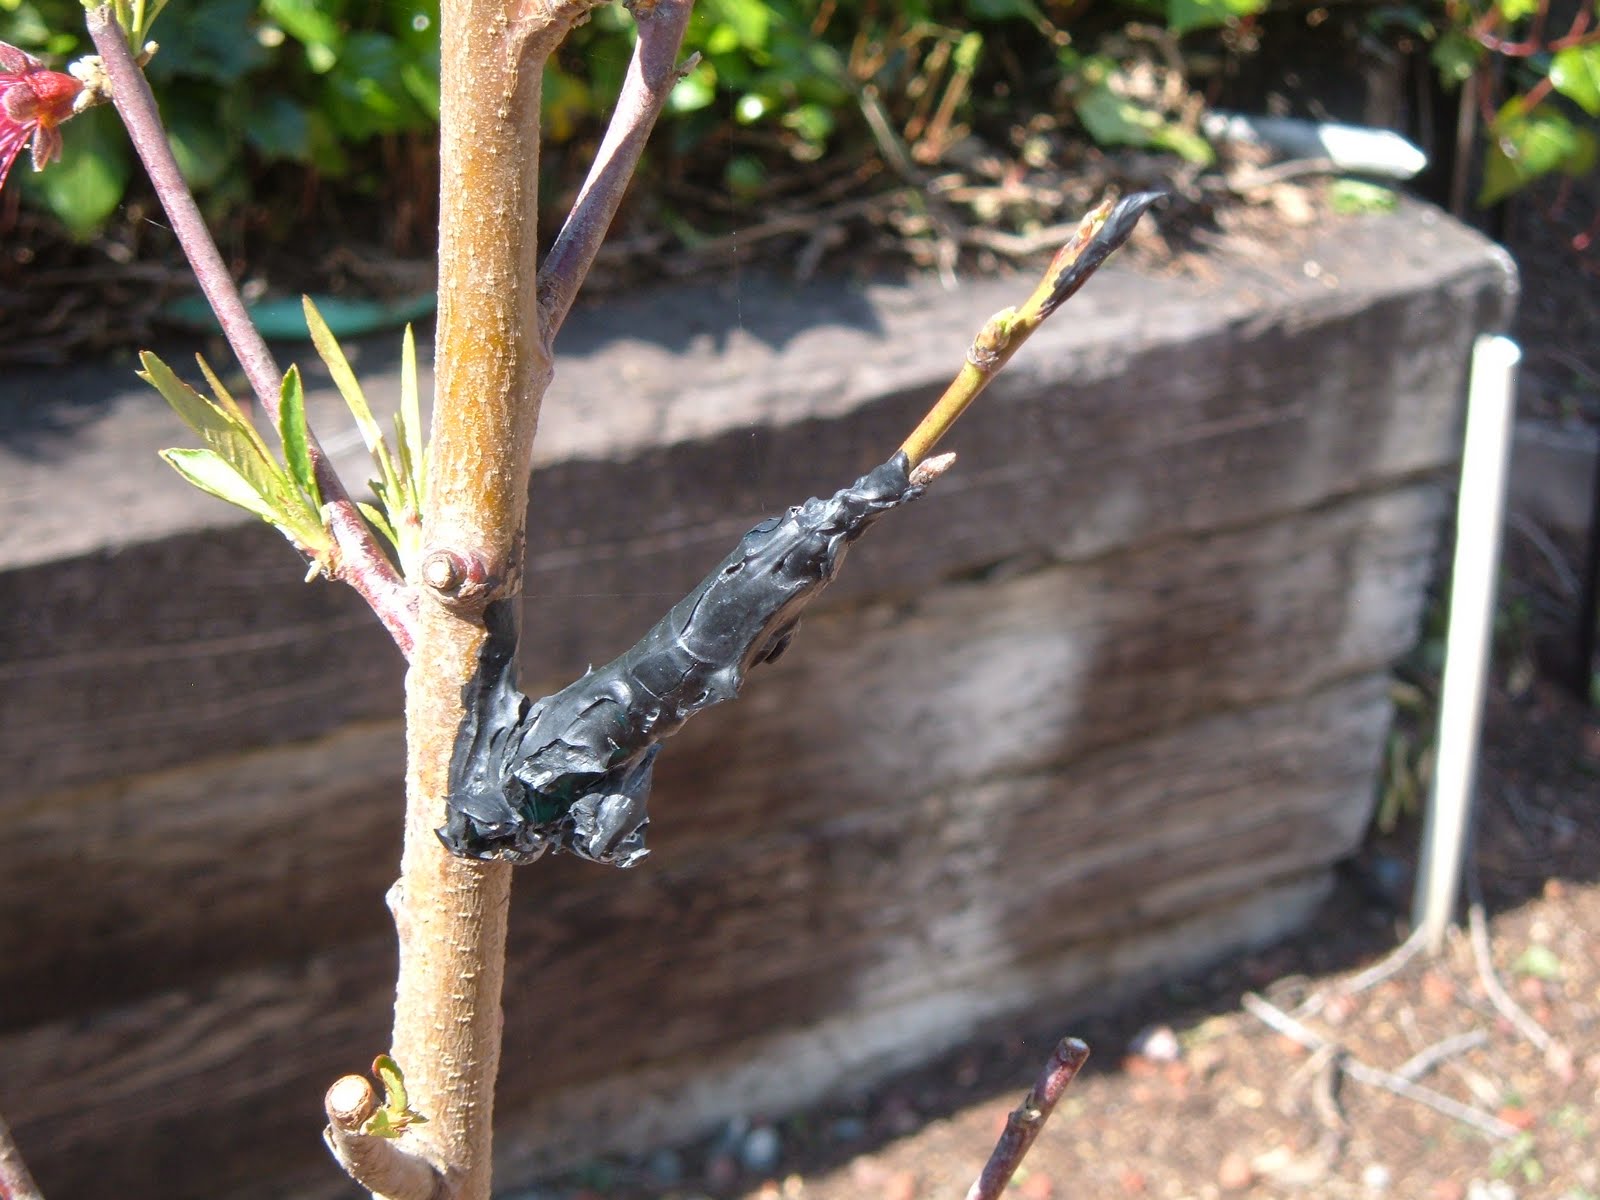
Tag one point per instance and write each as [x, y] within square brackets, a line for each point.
[1575, 73]
[1114, 120]
[205, 151]
[1540, 962]
[1517, 10]
[211, 473]
[565, 103]
[367, 91]
[210, 41]
[1185, 143]
[355, 400]
[1186, 15]
[231, 438]
[396, 1114]
[297, 437]
[408, 423]
[192, 408]
[1455, 56]
[310, 24]
[379, 520]
[694, 91]
[1523, 145]
[278, 128]
[1355, 197]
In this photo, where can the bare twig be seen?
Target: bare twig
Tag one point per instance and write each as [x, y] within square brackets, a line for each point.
[1483, 956]
[1389, 965]
[651, 75]
[1024, 1124]
[1429, 1057]
[376, 1163]
[361, 562]
[1275, 1018]
[16, 1183]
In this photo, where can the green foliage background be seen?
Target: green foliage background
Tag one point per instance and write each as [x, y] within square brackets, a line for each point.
[249, 83]
[252, 84]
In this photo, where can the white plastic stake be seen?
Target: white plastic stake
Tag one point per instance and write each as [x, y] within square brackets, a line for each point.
[1479, 512]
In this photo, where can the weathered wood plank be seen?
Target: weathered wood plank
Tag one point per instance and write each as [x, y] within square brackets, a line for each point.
[280, 853]
[126, 658]
[720, 978]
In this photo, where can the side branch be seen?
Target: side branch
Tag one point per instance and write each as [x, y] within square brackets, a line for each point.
[135, 104]
[1023, 1126]
[650, 79]
[375, 1163]
[362, 563]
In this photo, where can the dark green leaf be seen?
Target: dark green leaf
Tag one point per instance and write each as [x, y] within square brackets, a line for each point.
[367, 91]
[204, 149]
[1456, 55]
[278, 128]
[208, 39]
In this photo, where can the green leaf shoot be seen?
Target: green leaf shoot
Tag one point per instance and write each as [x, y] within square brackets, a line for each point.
[296, 436]
[344, 378]
[396, 1114]
[211, 473]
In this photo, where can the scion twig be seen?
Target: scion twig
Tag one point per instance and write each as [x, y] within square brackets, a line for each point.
[1024, 1124]
[1097, 236]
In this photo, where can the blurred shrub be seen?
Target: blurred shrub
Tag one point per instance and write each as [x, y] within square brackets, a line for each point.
[246, 83]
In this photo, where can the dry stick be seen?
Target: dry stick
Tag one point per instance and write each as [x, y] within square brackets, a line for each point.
[1390, 964]
[1024, 1124]
[651, 75]
[900, 161]
[1483, 955]
[362, 563]
[15, 1181]
[1097, 236]
[376, 1163]
[1429, 1057]
[1275, 1018]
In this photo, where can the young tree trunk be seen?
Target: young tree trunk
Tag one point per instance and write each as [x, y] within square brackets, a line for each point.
[492, 366]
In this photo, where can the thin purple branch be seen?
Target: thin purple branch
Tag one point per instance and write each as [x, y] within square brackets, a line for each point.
[650, 79]
[362, 564]
[135, 104]
[1023, 1126]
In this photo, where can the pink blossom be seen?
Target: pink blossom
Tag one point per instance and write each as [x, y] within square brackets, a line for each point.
[33, 103]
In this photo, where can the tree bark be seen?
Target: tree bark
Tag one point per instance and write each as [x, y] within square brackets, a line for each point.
[492, 366]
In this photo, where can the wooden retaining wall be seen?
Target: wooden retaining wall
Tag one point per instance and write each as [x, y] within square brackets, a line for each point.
[1107, 703]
